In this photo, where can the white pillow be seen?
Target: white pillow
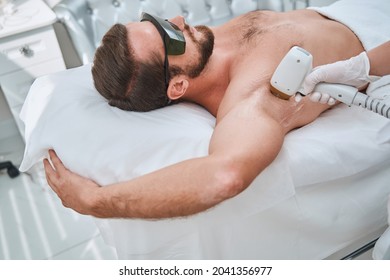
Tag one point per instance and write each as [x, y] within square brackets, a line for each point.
[64, 111]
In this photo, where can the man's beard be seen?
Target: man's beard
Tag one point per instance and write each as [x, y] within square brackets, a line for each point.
[205, 48]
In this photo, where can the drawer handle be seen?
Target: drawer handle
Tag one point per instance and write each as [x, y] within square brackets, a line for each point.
[116, 3]
[26, 51]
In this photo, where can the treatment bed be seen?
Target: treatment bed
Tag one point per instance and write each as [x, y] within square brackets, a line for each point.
[323, 197]
[382, 246]
[326, 191]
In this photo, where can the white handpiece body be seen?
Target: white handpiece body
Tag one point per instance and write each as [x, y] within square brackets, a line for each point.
[289, 75]
[349, 95]
[343, 93]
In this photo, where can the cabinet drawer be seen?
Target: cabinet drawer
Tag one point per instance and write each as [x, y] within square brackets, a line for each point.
[27, 49]
[16, 85]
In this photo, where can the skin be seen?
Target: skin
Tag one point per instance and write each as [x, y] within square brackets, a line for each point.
[377, 56]
[234, 87]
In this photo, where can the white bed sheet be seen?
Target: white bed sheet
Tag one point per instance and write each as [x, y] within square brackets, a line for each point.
[63, 111]
[382, 246]
[324, 220]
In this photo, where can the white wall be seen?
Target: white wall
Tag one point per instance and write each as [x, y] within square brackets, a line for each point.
[7, 124]
[4, 111]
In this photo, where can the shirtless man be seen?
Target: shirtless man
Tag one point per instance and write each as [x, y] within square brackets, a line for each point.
[234, 87]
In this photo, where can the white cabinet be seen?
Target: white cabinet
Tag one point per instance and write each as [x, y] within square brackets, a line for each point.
[27, 51]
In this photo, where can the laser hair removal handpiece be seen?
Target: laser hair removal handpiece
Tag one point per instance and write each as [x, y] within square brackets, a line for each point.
[288, 78]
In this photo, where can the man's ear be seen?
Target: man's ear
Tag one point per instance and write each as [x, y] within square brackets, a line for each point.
[177, 87]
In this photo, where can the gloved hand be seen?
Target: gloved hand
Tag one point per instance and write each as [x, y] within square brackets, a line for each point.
[353, 72]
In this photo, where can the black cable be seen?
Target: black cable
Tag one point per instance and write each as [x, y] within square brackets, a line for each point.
[12, 171]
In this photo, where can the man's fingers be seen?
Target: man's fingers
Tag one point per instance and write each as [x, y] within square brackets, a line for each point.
[51, 174]
[57, 163]
[48, 168]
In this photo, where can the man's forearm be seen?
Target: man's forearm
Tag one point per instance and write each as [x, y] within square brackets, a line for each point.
[178, 190]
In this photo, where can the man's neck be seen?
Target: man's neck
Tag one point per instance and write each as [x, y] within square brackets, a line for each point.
[209, 88]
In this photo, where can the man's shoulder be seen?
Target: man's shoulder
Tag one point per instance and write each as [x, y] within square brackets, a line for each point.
[242, 97]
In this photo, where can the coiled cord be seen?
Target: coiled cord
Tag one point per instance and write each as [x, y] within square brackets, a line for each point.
[372, 104]
[350, 95]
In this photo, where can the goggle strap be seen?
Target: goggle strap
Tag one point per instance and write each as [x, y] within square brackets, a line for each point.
[166, 65]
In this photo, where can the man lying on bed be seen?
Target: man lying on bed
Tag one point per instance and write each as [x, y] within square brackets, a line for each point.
[225, 69]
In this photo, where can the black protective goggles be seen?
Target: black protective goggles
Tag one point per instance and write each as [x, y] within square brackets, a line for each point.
[173, 38]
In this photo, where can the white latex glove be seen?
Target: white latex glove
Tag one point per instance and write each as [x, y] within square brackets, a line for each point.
[353, 72]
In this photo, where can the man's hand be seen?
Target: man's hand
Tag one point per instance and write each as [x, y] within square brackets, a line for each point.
[75, 192]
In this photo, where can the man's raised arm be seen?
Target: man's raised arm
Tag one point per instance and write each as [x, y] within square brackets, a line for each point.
[244, 142]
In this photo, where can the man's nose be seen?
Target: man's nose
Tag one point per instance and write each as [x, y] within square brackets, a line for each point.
[179, 21]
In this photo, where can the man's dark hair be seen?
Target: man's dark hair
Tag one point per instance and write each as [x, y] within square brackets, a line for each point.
[126, 83]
